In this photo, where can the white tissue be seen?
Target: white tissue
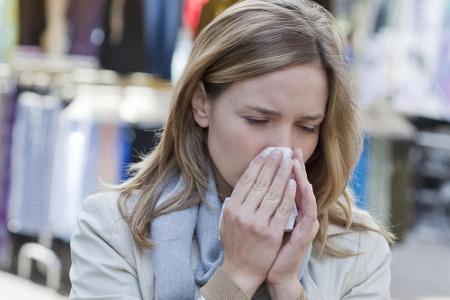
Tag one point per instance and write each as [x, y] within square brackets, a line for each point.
[287, 153]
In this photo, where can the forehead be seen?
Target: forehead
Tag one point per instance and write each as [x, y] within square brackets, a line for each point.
[297, 89]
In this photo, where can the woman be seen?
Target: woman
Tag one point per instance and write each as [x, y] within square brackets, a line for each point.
[262, 74]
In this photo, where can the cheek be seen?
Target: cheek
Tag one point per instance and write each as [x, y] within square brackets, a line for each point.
[244, 152]
[232, 148]
[308, 146]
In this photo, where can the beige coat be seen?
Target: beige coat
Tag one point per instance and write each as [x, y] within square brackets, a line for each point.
[107, 265]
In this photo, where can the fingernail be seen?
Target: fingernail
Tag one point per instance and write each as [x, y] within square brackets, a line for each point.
[276, 153]
[286, 161]
[266, 152]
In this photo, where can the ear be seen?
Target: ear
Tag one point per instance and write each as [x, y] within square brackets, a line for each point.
[200, 106]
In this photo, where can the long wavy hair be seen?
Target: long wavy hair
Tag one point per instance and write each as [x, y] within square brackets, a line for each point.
[252, 38]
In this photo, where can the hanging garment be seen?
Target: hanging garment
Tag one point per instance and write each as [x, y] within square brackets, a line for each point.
[144, 140]
[8, 28]
[122, 49]
[162, 20]
[135, 141]
[7, 105]
[125, 150]
[145, 110]
[74, 172]
[443, 73]
[32, 153]
[359, 180]
[192, 10]
[211, 10]
[54, 39]
[31, 22]
[88, 153]
[181, 54]
[85, 32]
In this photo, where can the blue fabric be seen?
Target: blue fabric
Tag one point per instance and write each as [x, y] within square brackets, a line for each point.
[442, 81]
[81, 161]
[75, 170]
[32, 153]
[125, 151]
[7, 108]
[173, 234]
[359, 180]
[162, 20]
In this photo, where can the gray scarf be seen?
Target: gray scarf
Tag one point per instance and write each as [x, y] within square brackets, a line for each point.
[174, 234]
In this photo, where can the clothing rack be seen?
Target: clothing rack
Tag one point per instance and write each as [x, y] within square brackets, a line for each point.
[101, 100]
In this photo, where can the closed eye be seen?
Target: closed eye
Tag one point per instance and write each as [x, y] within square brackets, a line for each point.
[261, 122]
[256, 121]
[311, 129]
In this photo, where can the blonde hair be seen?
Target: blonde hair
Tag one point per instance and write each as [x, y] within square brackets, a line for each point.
[251, 38]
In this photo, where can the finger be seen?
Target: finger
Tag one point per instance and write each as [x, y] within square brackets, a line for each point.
[281, 216]
[273, 197]
[263, 182]
[300, 169]
[307, 223]
[308, 204]
[246, 181]
[301, 181]
[300, 175]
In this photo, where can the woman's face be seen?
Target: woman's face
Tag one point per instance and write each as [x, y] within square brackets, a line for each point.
[281, 109]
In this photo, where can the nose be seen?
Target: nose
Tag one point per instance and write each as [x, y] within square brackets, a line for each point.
[283, 138]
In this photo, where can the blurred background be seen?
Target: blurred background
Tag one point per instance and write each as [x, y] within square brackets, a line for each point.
[85, 85]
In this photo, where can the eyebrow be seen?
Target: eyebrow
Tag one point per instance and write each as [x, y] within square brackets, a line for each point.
[267, 111]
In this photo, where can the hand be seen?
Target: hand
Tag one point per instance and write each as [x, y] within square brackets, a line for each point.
[295, 243]
[254, 219]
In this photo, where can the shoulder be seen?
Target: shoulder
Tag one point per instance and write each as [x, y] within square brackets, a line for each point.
[366, 272]
[358, 216]
[365, 243]
[103, 253]
[102, 208]
[105, 203]
[100, 219]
